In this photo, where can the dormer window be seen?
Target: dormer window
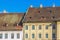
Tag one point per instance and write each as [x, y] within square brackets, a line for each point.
[16, 24]
[30, 17]
[42, 16]
[53, 17]
[38, 11]
[50, 11]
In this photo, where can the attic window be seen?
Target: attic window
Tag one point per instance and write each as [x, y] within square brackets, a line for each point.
[30, 17]
[53, 17]
[50, 11]
[38, 11]
[42, 16]
[16, 24]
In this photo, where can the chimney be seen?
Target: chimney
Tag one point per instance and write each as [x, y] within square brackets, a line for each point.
[53, 5]
[31, 6]
[41, 5]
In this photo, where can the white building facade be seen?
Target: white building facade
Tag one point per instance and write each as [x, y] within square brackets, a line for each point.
[11, 35]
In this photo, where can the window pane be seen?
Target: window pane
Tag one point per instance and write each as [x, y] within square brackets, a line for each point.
[46, 35]
[12, 36]
[39, 35]
[33, 27]
[26, 35]
[26, 27]
[18, 35]
[39, 26]
[0, 36]
[6, 36]
[33, 35]
[46, 26]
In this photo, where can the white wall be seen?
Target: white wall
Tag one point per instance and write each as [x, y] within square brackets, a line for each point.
[9, 35]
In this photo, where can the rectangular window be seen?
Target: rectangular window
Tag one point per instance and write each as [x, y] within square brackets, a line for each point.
[46, 26]
[1, 36]
[18, 35]
[54, 26]
[26, 27]
[46, 35]
[39, 35]
[26, 35]
[33, 27]
[6, 36]
[53, 35]
[33, 35]
[12, 35]
[39, 26]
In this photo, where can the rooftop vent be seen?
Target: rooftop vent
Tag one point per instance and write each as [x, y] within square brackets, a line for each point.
[53, 5]
[31, 6]
[41, 5]
[4, 11]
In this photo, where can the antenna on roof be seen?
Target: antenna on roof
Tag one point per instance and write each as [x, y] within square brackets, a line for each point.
[4, 11]
[41, 5]
[53, 5]
[31, 6]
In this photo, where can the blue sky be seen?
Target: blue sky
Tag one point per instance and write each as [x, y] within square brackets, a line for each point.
[23, 5]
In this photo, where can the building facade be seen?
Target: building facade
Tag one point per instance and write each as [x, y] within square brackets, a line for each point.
[42, 24]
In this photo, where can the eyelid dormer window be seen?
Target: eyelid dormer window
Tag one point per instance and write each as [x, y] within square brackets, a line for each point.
[15, 24]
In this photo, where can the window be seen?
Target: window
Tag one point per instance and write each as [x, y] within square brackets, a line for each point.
[18, 35]
[12, 35]
[0, 36]
[46, 26]
[26, 35]
[39, 26]
[6, 36]
[50, 11]
[39, 35]
[46, 35]
[33, 35]
[33, 27]
[26, 27]
[30, 17]
[39, 11]
[53, 35]
[43, 17]
[53, 17]
[53, 26]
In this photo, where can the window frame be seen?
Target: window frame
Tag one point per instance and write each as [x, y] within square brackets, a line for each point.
[46, 35]
[33, 27]
[1, 35]
[6, 35]
[54, 36]
[12, 35]
[26, 27]
[26, 35]
[39, 35]
[46, 27]
[33, 35]
[40, 27]
[18, 35]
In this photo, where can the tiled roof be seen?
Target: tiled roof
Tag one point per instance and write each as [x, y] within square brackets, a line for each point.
[45, 14]
[9, 21]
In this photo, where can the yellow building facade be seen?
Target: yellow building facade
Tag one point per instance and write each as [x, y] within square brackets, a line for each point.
[41, 31]
[42, 24]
